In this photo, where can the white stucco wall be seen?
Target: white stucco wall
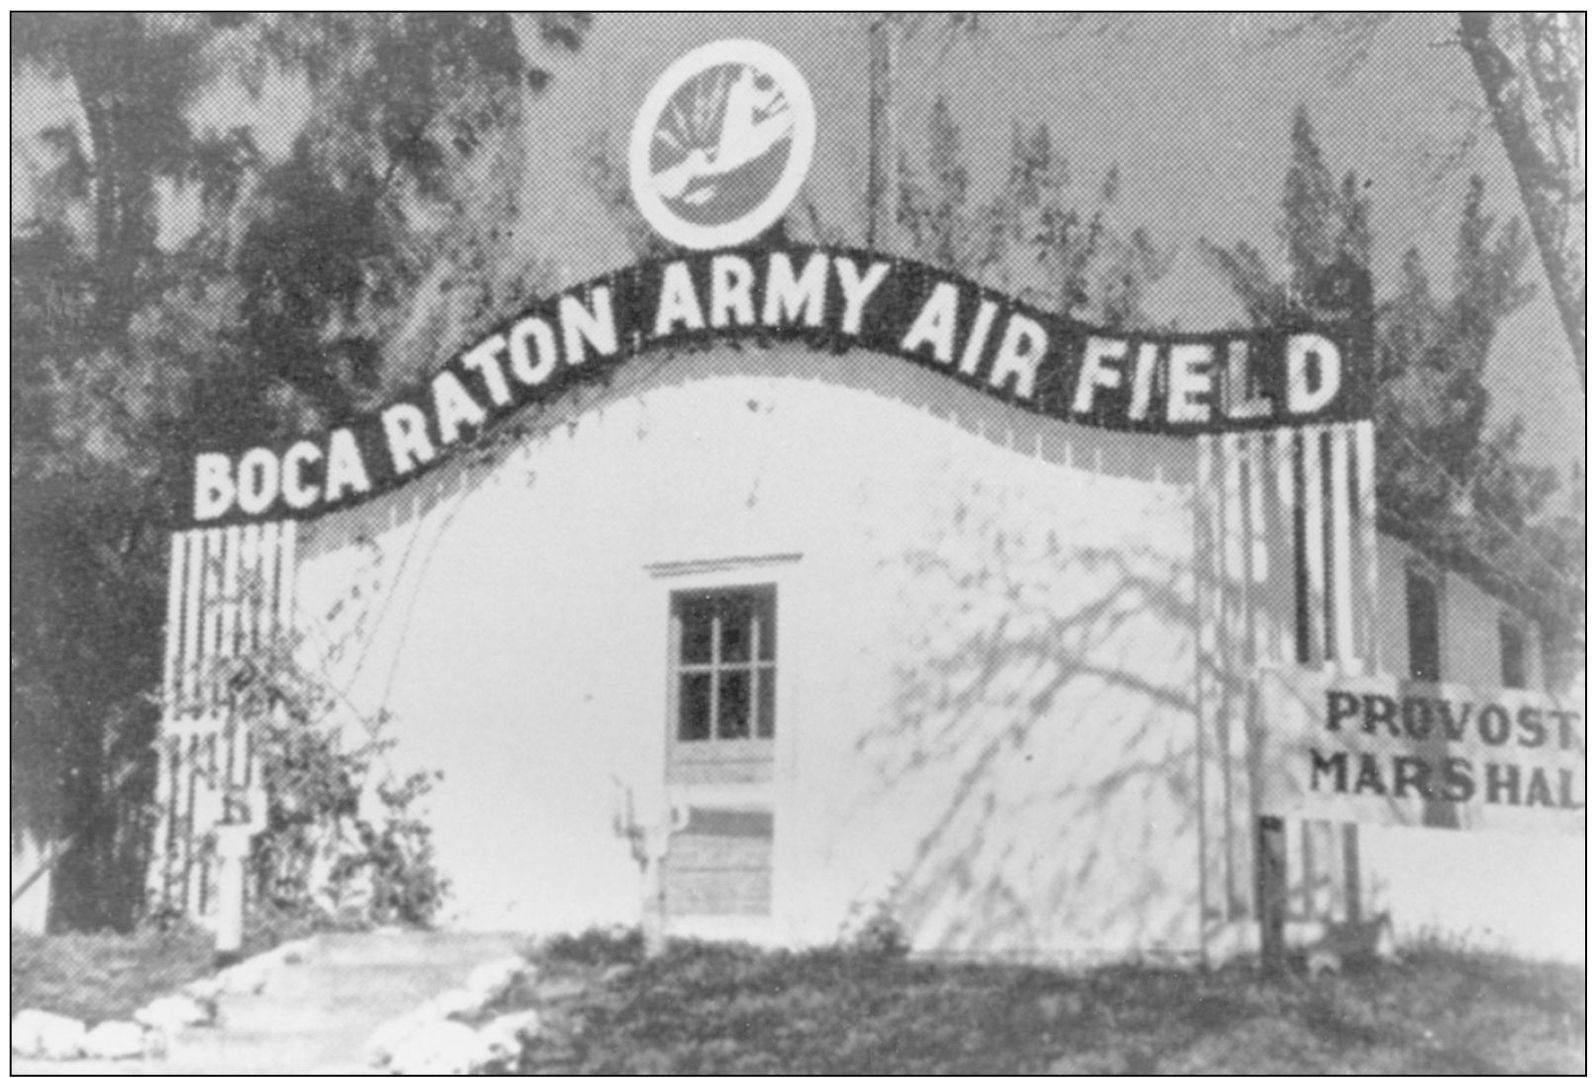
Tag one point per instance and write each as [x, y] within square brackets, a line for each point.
[1495, 889]
[986, 670]
[985, 673]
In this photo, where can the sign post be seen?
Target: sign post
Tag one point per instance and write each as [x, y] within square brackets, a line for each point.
[1271, 861]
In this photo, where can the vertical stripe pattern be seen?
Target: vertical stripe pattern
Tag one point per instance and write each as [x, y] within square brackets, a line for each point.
[1287, 574]
[230, 592]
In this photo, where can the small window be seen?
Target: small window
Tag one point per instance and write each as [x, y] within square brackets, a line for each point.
[1513, 673]
[1424, 626]
[723, 673]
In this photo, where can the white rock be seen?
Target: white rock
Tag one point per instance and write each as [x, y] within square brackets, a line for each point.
[171, 1013]
[116, 1040]
[31, 1028]
[42, 1035]
[503, 1039]
[455, 1003]
[491, 980]
[291, 954]
[205, 991]
[386, 1038]
[247, 978]
[438, 1048]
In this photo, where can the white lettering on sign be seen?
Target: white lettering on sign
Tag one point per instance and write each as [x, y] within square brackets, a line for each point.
[408, 444]
[213, 486]
[298, 492]
[787, 297]
[346, 468]
[856, 290]
[678, 302]
[258, 473]
[1240, 403]
[935, 323]
[838, 300]
[533, 353]
[1313, 373]
[731, 292]
[1024, 345]
[584, 326]
[1095, 371]
[1191, 383]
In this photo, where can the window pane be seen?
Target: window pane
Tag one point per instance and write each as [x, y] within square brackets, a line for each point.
[695, 707]
[767, 702]
[1513, 676]
[1424, 629]
[736, 628]
[733, 705]
[765, 611]
[697, 627]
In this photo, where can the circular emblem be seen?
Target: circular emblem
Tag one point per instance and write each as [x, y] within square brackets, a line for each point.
[721, 145]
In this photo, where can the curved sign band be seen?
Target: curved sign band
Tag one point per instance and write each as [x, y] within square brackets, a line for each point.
[1172, 384]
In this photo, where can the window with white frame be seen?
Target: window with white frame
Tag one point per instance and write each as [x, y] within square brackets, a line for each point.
[723, 684]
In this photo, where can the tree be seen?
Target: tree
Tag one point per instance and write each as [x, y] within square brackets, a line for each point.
[1029, 237]
[1530, 67]
[1449, 481]
[274, 305]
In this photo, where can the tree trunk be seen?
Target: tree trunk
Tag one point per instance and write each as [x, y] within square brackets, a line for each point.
[1534, 131]
[882, 195]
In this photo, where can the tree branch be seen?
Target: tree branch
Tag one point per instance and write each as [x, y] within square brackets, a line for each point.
[1540, 182]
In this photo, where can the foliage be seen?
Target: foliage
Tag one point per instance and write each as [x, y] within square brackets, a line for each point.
[1449, 481]
[880, 934]
[1027, 237]
[732, 1009]
[342, 834]
[1081, 264]
[173, 283]
[1531, 70]
[1530, 67]
[105, 976]
[596, 947]
[874, 927]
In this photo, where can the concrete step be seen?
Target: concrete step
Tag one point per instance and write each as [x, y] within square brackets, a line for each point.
[414, 948]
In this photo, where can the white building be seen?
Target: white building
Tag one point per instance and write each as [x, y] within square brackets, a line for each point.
[885, 643]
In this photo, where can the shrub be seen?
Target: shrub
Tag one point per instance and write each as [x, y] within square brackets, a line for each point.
[337, 847]
[734, 1009]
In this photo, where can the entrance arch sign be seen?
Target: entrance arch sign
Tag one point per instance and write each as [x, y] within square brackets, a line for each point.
[1170, 384]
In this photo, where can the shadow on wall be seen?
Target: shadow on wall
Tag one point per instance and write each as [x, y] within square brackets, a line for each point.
[1043, 719]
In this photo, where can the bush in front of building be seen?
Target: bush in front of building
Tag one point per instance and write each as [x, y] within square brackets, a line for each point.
[338, 846]
[734, 1009]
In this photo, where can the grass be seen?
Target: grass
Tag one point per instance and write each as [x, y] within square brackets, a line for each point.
[734, 1010]
[723, 1009]
[96, 976]
[99, 976]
